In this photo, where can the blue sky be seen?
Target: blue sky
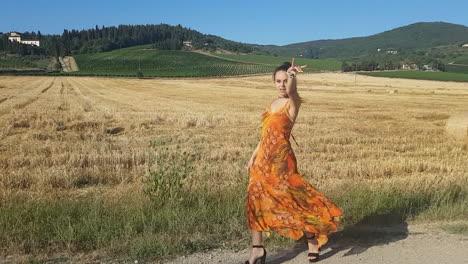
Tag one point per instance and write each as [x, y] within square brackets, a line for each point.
[259, 22]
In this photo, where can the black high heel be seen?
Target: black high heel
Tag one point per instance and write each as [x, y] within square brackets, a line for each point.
[262, 258]
[316, 255]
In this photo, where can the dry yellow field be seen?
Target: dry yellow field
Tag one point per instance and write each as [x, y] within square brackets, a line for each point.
[78, 156]
[75, 135]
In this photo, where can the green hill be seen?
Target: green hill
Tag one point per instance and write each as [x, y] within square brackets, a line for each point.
[415, 36]
[448, 54]
[453, 56]
[103, 39]
[461, 60]
[13, 61]
[161, 63]
[312, 64]
[169, 51]
[166, 63]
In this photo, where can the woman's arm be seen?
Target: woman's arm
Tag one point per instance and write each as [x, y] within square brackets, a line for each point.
[291, 90]
[252, 158]
[254, 154]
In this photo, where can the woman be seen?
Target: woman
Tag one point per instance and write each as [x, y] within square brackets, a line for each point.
[278, 199]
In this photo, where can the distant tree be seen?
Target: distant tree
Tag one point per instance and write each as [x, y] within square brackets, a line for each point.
[344, 67]
[139, 74]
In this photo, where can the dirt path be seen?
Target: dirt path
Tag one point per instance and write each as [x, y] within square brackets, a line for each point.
[68, 64]
[402, 244]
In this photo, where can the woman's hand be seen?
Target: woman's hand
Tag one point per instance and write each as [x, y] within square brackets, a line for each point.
[250, 164]
[295, 69]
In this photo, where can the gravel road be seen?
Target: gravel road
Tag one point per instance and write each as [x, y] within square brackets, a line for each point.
[412, 244]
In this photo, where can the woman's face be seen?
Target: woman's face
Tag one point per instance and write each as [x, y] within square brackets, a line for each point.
[281, 78]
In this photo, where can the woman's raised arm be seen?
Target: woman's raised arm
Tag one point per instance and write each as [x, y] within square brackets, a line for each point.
[291, 89]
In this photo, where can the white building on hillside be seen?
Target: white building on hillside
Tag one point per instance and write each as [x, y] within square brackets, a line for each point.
[187, 43]
[427, 68]
[15, 36]
[392, 51]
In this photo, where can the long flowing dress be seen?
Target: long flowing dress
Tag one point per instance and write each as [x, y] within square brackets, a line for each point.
[278, 198]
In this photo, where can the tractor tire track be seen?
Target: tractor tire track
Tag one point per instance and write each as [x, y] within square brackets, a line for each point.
[7, 108]
[86, 102]
[48, 87]
[34, 98]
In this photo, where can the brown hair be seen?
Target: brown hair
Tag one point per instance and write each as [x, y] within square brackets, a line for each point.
[283, 67]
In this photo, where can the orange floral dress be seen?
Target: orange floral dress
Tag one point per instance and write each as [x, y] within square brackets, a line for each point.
[278, 198]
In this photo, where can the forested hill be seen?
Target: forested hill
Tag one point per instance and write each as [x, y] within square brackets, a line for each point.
[166, 37]
[162, 36]
[415, 36]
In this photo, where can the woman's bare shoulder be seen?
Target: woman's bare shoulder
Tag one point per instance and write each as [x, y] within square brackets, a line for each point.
[278, 102]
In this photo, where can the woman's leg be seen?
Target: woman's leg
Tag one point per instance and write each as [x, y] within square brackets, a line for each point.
[257, 239]
[312, 244]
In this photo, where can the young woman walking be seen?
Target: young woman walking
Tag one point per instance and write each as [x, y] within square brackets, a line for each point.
[278, 198]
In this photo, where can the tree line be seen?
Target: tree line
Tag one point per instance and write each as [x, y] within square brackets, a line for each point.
[378, 62]
[104, 39]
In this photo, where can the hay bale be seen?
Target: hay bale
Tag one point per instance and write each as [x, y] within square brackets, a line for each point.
[457, 126]
[393, 91]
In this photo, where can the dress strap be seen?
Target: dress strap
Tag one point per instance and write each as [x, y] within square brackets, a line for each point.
[284, 106]
[287, 102]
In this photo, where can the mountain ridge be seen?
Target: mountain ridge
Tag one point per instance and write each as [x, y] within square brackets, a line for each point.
[418, 35]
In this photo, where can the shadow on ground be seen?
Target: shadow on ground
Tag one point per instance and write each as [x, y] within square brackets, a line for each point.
[373, 230]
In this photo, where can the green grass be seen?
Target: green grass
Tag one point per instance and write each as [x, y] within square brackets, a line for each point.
[457, 68]
[461, 60]
[125, 229]
[174, 218]
[313, 64]
[19, 62]
[156, 63]
[421, 75]
[456, 228]
[461, 64]
[203, 220]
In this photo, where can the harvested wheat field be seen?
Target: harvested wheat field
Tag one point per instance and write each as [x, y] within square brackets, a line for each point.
[118, 145]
